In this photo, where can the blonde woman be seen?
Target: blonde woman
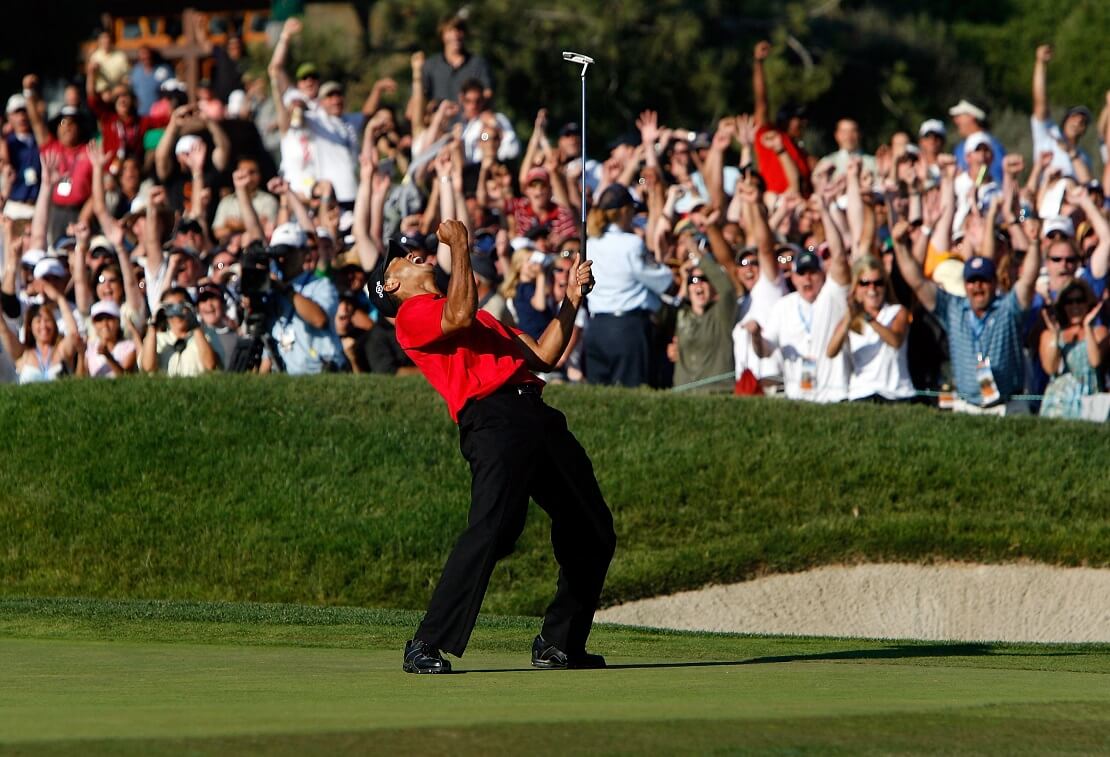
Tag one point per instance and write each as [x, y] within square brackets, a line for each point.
[874, 331]
[517, 264]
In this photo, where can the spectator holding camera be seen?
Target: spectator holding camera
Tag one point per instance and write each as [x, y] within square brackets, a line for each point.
[174, 343]
[304, 311]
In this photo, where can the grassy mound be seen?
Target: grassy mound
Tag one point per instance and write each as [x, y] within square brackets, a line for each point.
[350, 490]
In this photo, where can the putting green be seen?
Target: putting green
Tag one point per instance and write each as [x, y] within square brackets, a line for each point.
[114, 682]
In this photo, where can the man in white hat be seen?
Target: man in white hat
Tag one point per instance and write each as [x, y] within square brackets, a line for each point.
[971, 119]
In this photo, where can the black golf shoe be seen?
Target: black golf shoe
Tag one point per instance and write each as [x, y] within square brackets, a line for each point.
[421, 658]
[549, 657]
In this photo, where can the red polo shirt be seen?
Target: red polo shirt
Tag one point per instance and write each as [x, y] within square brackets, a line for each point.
[468, 364]
[770, 167]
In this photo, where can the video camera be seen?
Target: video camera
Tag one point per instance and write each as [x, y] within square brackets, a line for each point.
[261, 281]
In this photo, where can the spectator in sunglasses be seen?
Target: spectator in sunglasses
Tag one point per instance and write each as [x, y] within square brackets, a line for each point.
[873, 333]
[1072, 350]
[702, 344]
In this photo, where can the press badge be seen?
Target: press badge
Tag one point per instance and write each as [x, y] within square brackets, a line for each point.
[64, 188]
[988, 390]
[30, 177]
[809, 375]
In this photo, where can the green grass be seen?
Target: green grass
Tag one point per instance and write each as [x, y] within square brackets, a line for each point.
[114, 677]
[350, 490]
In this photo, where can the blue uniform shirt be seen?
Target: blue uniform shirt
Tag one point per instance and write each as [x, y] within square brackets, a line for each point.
[305, 349]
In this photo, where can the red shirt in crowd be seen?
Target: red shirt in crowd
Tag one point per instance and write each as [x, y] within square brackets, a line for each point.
[769, 165]
[563, 223]
[74, 172]
[122, 137]
[468, 364]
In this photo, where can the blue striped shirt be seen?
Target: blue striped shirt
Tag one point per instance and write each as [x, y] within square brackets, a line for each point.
[997, 336]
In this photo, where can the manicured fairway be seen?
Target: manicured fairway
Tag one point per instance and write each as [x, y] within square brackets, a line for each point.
[140, 678]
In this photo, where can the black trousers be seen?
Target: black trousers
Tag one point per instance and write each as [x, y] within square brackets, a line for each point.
[518, 447]
[618, 349]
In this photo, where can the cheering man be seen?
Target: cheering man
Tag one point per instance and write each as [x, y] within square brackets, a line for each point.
[516, 445]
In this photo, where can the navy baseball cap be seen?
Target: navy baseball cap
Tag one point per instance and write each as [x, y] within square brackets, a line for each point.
[615, 196]
[806, 261]
[979, 269]
[376, 286]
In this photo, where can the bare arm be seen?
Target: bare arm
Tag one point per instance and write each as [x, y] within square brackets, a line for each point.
[152, 232]
[914, 276]
[34, 110]
[462, 294]
[1040, 93]
[79, 272]
[240, 179]
[839, 336]
[942, 232]
[164, 153]
[544, 354]
[373, 100]
[368, 250]
[41, 218]
[414, 111]
[1027, 278]
[759, 83]
[1100, 257]
[221, 151]
[855, 205]
[535, 147]
[279, 79]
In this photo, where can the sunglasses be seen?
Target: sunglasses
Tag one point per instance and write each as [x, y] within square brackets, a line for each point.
[561, 269]
[876, 283]
[1057, 235]
[107, 280]
[784, 259]
[1064, 260]
[696, 280]
[751, 260]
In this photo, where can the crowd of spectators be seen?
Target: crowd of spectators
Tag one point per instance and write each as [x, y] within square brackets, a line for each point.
[937, 266]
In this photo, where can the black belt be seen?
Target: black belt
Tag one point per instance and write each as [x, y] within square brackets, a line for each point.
[522, 390]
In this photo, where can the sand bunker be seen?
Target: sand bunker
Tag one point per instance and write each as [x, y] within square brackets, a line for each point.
[939, 602]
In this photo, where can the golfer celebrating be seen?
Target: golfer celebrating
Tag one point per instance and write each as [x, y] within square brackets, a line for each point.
[516, 445]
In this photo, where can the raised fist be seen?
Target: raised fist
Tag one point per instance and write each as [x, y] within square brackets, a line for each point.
[452, 233]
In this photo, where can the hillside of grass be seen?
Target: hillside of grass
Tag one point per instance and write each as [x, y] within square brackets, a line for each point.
[351, 490]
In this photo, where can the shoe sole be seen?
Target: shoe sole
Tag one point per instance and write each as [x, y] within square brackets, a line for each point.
[431, 671]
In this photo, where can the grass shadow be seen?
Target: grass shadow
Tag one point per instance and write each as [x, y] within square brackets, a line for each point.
[887, 653]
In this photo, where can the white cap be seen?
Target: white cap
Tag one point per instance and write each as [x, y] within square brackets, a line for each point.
[16, 102]
[31, 258]
[100, 242]
[172, 85]
[1062, 224]
[965, 108]
[235, 102]
[949, 274]
[346, 220]
[932, 126]
[138, 205]
[185, 144]
[977, 140]
[289, 234]
[49, 267]
[520, 243]
[293, 95]
[104, 307]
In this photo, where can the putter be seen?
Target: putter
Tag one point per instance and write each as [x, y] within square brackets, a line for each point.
[584, 61]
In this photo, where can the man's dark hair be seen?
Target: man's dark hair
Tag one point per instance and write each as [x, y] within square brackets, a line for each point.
[471, 85]
[451, 22]
[178, 290]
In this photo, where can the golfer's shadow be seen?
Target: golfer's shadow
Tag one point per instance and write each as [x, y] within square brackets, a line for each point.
[885, 653]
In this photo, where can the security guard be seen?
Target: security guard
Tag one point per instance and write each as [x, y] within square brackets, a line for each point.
[629, 282]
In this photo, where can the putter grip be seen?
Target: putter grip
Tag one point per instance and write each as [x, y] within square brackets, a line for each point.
[587, 287]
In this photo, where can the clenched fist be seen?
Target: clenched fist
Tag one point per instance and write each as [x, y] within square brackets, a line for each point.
[452, 233]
